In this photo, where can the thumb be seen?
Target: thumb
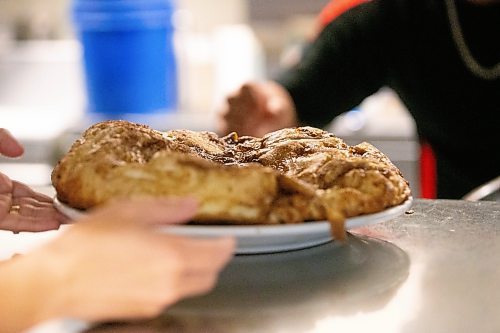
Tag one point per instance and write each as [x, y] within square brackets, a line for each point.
[146, 211]
[9, 146]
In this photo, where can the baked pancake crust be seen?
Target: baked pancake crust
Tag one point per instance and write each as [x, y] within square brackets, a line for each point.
[292, 175]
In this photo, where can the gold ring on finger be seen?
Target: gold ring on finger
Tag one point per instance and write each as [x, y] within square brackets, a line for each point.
[14, 209]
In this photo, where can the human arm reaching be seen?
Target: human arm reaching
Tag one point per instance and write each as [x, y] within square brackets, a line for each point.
[21, 208]
[346, 62]
[113, 264]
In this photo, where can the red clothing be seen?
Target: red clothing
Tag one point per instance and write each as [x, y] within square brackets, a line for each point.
[336, 8]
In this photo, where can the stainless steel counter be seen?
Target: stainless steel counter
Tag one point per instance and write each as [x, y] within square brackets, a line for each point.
[434, 270]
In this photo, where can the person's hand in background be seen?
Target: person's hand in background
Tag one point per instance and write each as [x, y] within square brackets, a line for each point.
[113, 264]
[256, 109]
[21, 208]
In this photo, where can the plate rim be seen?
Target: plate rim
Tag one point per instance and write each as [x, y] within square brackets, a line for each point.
[266, 229]
[265, 238]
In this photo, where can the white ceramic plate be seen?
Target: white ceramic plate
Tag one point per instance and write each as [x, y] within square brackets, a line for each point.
[269, 238]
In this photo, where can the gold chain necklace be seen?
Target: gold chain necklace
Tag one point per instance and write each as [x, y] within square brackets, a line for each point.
[486, 73]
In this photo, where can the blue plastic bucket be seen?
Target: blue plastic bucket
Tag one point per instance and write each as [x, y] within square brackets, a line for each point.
[128, 53]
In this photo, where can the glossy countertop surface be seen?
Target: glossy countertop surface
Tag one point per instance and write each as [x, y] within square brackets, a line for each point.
[435, 268]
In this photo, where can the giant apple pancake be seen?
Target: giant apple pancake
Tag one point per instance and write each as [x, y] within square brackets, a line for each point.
[292, 175]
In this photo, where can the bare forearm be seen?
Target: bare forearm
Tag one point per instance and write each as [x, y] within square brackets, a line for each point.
[24, 294]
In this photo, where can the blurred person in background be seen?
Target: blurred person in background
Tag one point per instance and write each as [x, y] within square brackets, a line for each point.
[112, 264]
[442, 57]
